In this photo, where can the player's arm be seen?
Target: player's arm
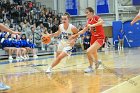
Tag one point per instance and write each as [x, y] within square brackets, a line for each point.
[74, 30]
[137, 17]
[73, 38]
[83, 31]
[4, 28]
[57, 33]
[100, 22]
[80, 32]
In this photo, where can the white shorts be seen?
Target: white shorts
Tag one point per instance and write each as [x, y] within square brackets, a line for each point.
[65, 48]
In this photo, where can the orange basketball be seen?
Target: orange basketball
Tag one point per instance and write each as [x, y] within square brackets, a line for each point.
[46, 39]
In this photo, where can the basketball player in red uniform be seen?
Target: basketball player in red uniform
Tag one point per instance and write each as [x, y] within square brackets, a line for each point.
[95, 24]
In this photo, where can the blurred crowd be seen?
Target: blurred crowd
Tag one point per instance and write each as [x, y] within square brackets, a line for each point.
[33, 21]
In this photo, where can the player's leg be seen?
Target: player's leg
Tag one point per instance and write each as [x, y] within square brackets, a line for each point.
[92, 52]
[57, 61]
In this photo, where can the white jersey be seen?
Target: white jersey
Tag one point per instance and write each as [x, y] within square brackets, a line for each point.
[64, 36]
[65, 33]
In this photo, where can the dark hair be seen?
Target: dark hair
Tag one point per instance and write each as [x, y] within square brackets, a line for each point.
[90, 9]
[22, 36]
[67, 14]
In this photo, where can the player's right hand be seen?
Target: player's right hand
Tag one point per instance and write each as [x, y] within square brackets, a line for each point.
[16, 32]
[50, 35]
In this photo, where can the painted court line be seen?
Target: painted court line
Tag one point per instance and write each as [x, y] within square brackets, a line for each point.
[130, 86]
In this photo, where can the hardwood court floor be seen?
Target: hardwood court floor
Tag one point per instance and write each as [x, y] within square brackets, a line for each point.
[119, 73]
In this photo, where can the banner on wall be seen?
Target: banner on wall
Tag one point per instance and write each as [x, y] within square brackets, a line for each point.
[136, 2]
[102, 6]
[72, 7]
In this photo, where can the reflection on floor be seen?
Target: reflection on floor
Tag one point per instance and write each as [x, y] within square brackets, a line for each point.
[119, 73]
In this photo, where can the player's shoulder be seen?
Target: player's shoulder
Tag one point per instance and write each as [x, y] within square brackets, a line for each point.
[60, 25]
[74, 29]
[71, 25]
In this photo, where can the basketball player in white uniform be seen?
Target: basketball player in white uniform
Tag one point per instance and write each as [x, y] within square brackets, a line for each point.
[65, 30]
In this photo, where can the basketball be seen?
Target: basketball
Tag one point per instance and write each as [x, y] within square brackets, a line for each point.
[46, 39]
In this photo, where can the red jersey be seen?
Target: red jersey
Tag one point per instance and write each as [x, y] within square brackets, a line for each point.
[97, 31]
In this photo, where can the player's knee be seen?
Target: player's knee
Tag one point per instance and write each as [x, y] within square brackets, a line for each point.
[89, 53]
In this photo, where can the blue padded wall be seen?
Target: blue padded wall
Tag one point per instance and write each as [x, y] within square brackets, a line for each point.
[128, 33]
[132, 33]
[117, 26]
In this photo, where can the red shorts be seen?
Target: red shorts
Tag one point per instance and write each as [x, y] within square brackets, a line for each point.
[94, 39]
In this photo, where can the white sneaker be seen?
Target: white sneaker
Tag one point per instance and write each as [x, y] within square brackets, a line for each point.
[49, 70]
[10, 58]
[4, 87]
[27, 56]
[35, 56]
[10, 61]
[24, 57]
[21, 57]
[88, 70]
[17, 58]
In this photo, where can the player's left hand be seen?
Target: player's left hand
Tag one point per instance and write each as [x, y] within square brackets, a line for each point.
[73, 36]
[89, 25]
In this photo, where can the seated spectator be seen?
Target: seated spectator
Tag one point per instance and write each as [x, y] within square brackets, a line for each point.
[6, 46]
[121, 39]
[24, 46]
[107, 43]
[31, 47]
[86, 42]
[16, 42]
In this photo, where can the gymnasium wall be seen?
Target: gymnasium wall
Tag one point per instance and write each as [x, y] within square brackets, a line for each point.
[108, 31]
[131, 33]
[59, 5]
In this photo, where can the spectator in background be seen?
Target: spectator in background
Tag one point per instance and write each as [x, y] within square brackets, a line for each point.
[107, 44]
[33, 28]
[31, 47]
[80, 27]
[86, 42]
[6, 46]
[44, 31]
[24, 46]
[121, 39]
[81, 37]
